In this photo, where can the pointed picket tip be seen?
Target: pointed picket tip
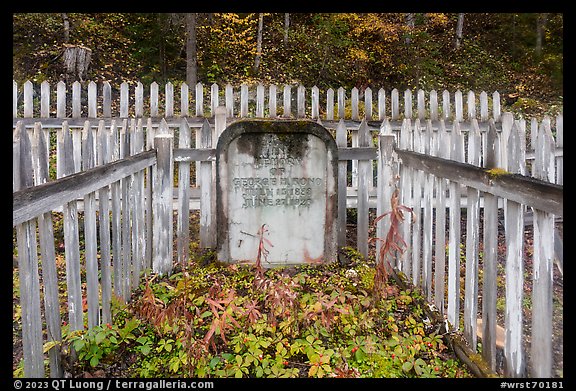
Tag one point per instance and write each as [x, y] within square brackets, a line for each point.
[385, 128]
[341, 133]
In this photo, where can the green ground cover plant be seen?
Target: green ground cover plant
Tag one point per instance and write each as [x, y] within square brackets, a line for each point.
[222, 320]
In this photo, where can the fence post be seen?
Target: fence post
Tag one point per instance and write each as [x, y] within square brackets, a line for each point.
[207, 228]
[342, 142]
[162, 205]
[386, 181]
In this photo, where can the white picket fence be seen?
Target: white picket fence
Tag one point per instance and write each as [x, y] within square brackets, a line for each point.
[94, 100]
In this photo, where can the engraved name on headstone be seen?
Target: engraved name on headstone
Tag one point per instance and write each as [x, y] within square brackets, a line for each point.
[281, 175]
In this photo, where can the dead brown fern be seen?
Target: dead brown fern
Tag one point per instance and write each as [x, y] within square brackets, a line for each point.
[223, 308]
[392, 245]
[263, 251]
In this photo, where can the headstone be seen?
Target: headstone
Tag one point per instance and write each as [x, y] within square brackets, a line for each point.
[277, 193]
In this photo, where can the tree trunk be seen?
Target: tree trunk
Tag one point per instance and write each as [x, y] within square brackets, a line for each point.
[162, 46]
[459, 27]
[259, 43]
[540, 25]
[286, 26]
[191, 54]
[410, 25]
[66, 28]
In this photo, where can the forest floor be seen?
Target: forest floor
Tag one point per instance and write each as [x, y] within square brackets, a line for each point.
[124, 371]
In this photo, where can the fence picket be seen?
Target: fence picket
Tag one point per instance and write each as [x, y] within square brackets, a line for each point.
[229, 96]
[28, 272]
[14, 99]
[92, 286]
[162, 202]
[364, 140]
[148, 203]
[341, 102]
[76, 99]
[341, 142]
[184, 100]
[496, 106]
[559, 145]
[489, 261]
[514, 220]
[406, 197]
[72, 244]
[103, 156]
[354, 103]
[214, 99]
[106, 100]
[45, 99]
[301, 101]
[287, 101]
[183, 222]
[483, 106]
[381, 104]
[458, 106]
[138, 227]
[471, 102]
[272, 101]
[28, 99]
[115, 191]
[260, 101]
[472, 240]
[417, 180]
[125, 202]
[368, 104]
[139, 100]
[446, 110]
[244, 100]
[408, 104]
[453, 311]
[421, 104]
[169, 99]
[541, 347]
[330, 104]
[92, 103]
[48, 258]
[433, 105]
[427, 224]
[440, 224]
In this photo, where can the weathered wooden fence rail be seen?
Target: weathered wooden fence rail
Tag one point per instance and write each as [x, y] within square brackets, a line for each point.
[125, 169]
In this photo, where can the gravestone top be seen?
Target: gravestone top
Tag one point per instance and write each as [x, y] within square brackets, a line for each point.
[277, 193]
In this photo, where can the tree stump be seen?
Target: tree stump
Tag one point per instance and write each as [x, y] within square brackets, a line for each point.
[76, 61]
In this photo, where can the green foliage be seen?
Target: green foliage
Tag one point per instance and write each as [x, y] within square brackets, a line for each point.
[98, 343]
[229, 321]
[348, 49]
